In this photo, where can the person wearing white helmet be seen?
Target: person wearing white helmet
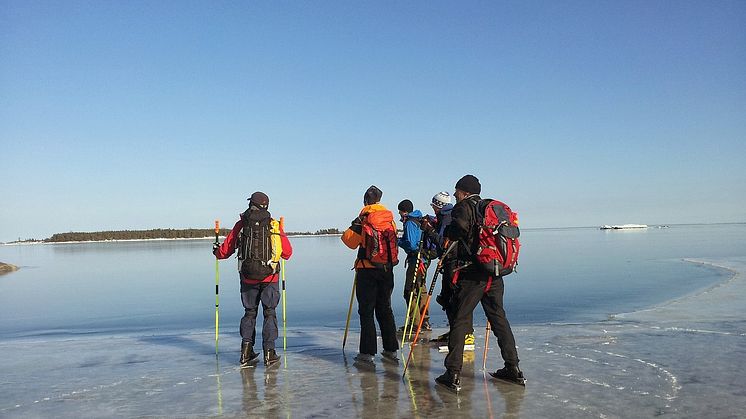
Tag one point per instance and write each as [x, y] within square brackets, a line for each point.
[435, 228]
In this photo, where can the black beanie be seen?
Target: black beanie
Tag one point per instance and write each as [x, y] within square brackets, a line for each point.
[259, 199]
[470, 184]
[372, 195]
[406, 206]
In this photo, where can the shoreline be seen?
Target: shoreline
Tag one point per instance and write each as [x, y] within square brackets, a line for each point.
[651, 227]
[148, 240]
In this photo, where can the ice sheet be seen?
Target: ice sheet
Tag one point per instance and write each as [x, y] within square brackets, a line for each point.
[683, 358]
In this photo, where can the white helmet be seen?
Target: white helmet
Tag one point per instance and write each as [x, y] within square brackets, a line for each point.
[441, 199]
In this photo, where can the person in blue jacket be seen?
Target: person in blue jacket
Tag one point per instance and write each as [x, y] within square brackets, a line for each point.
[410, 241]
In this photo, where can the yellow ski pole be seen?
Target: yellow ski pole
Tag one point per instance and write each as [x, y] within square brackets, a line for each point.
[486, 345]
[217, 288]
[416, 307]
[427, 304]
[284, 317]
[349, 311]
[411, 294]
[406, 319]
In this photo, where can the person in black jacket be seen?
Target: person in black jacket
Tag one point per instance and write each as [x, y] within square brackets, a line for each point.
[475, 285]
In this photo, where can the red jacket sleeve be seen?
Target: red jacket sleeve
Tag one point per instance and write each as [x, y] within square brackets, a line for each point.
[287, 248]
[231, 241]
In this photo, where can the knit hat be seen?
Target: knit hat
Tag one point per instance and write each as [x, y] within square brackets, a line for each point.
[470, 184]
[406, 206]
[441, 199]
[372, 195]
[259, 199]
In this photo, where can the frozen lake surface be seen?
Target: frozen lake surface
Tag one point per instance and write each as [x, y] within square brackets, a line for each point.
[678, 358]
[681, 359]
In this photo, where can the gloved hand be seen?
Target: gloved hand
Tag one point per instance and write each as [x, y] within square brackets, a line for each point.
[215, 247]
[425, 224]
[421, 269]
[356, 225]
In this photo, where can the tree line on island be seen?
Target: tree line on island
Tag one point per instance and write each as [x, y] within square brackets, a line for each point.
[158, 233]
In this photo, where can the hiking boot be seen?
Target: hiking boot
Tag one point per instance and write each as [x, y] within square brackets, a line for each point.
[450, 380]
[365, 358]
[511, 374]
[248, 356]
[442, 338]
[390, 356]
[270, 357]
[469, 339]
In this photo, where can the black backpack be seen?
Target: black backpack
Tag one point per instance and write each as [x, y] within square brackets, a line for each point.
[255, 245]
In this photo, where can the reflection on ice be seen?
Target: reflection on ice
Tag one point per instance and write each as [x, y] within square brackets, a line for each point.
[683, 358]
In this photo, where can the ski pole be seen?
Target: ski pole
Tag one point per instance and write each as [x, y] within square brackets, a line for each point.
[416, 307]
[284, 318]
[411, 294]
[220, 387]
[349, 311]
[486, 345]
[417, 304]
[217, 288]
[427, 303]
[406, 318]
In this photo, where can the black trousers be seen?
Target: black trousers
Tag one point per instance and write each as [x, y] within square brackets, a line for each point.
[445, 298]
[251, 295]
[466, 296]
[374, 288]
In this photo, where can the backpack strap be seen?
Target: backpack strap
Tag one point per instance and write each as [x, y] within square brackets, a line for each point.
[473, 235]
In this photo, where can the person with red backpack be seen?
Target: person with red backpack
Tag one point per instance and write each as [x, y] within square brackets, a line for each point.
[373, 234]
[479, 279]
[434, 229]
[261, 243]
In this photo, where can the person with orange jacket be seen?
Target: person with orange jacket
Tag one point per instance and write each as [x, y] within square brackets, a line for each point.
[374, 275]
[261, 243]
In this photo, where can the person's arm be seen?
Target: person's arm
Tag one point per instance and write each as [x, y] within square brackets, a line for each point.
[226, 249]
[353, 236]
[460, 223]
[287, 248]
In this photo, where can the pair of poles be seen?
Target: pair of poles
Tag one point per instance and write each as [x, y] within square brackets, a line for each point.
[217, 292]
[415, 283]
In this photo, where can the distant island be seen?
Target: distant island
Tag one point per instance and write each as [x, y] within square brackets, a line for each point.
[159, 233]
[623, 226]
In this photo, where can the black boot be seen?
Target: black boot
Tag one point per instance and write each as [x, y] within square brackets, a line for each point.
[270, 357]
[450, 380]
[511, 374]
[248, 356]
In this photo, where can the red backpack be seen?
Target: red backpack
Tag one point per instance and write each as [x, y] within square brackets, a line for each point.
[497, 243]
[379, 239]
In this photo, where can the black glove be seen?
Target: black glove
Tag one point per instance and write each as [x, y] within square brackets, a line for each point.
[425, 225]
[356, 225]
[215, 247]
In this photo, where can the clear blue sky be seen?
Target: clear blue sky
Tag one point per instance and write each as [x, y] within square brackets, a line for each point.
[135, 115]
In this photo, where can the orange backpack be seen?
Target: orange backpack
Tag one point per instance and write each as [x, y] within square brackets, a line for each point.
[379, 239]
